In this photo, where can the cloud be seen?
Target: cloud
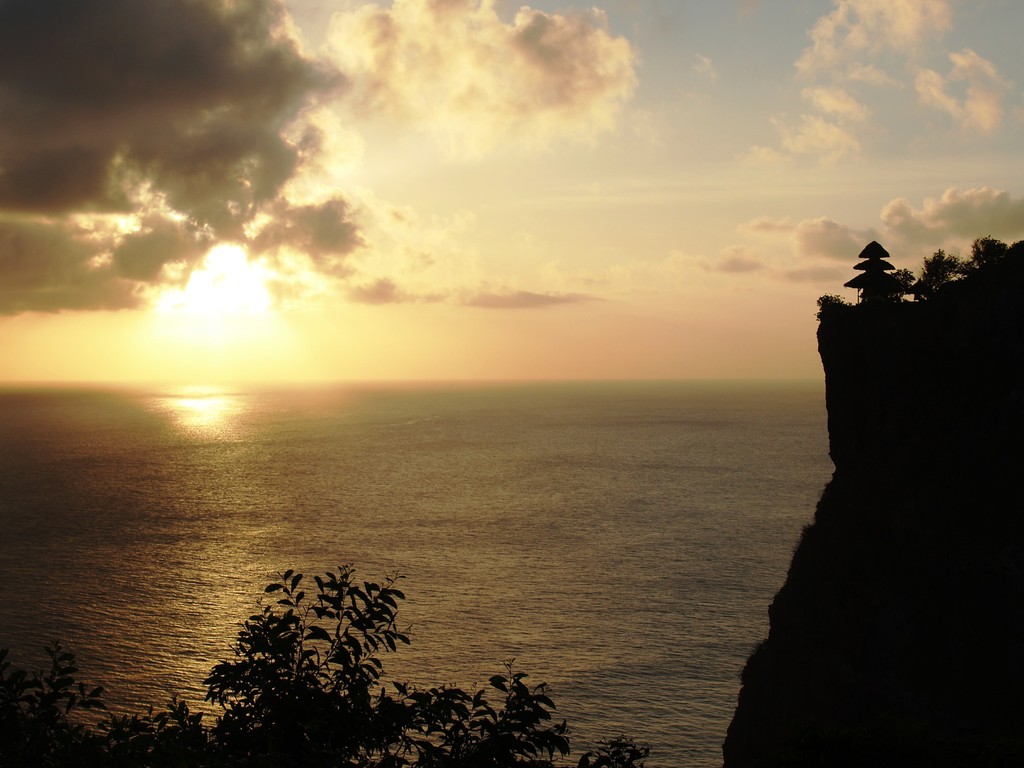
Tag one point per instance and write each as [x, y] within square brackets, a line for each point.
[764, 157]
[456, 68]
[768, 225]
[838, 103]
[816, 248]
[846, 45]
[856, 28]
[139, 133]
[819, 137]
[870, 75]
[825, 250]
[47, 266]
[385, 290]
[980, 107]
[159, 241]
[964, 214]
[380, 291]
[703, 65]
[737, 259]
[188, 96]
[323, 232]
[830, 132]
[523, 299]
[824, 238]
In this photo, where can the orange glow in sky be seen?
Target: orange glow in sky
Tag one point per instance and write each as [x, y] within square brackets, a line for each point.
[499, 191]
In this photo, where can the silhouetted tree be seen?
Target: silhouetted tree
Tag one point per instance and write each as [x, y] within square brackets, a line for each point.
[939, 269]
[904, 282]
[987, 251]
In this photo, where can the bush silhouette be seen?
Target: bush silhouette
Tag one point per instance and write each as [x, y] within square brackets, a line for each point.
[303, 688]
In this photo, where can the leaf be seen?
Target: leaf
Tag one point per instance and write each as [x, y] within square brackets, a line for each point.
[272, 588]
[497, 681]
[318, 633]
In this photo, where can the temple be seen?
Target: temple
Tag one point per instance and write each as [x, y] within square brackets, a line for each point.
[875, 283]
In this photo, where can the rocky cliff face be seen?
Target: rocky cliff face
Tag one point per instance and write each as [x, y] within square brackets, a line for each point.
[898, 637]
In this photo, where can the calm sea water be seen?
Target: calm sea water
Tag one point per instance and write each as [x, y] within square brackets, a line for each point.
[622, 541]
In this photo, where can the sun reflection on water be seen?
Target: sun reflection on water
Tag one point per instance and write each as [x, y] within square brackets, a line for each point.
[204, 412]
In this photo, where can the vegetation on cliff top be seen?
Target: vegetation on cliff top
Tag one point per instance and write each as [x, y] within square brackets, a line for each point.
[941, 270]
[305, 687]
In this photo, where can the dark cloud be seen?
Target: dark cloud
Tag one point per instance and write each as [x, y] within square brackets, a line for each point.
[142, 256]
[325, 232]
[381, 291]
[179, 112]
[48, 266]
[524, 300]
[384, 290]
[187, 95]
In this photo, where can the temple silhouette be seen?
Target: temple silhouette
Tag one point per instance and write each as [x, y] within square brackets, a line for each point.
[875, 283]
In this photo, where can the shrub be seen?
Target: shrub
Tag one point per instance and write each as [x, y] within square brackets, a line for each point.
[303, 688]
[829, 303]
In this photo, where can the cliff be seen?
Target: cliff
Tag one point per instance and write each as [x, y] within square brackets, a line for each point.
[898, 636]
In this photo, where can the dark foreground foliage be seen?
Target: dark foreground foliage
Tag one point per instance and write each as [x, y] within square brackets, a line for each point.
[304, 687]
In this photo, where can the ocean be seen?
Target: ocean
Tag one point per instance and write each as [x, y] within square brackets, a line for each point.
[621, 541]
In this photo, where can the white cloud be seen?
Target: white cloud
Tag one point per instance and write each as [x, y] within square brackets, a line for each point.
[868, 27]
[830, 130]
[818, 136]
[457, 69]
[768, 225]
[703, 65]
[837, 103]
[870, 75]
[761, 156]
[980, 107]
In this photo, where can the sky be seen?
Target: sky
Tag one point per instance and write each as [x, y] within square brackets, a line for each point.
[214, 191]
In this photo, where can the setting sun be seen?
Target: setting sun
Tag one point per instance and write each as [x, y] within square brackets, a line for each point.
[531, 302]
[227, 283]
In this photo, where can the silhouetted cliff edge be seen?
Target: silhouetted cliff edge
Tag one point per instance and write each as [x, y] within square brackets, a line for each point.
[898, 637]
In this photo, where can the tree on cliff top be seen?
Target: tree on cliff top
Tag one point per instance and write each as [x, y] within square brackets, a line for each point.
[937, 270]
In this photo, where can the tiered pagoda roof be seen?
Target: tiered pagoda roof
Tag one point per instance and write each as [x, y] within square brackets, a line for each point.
[875, 282]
